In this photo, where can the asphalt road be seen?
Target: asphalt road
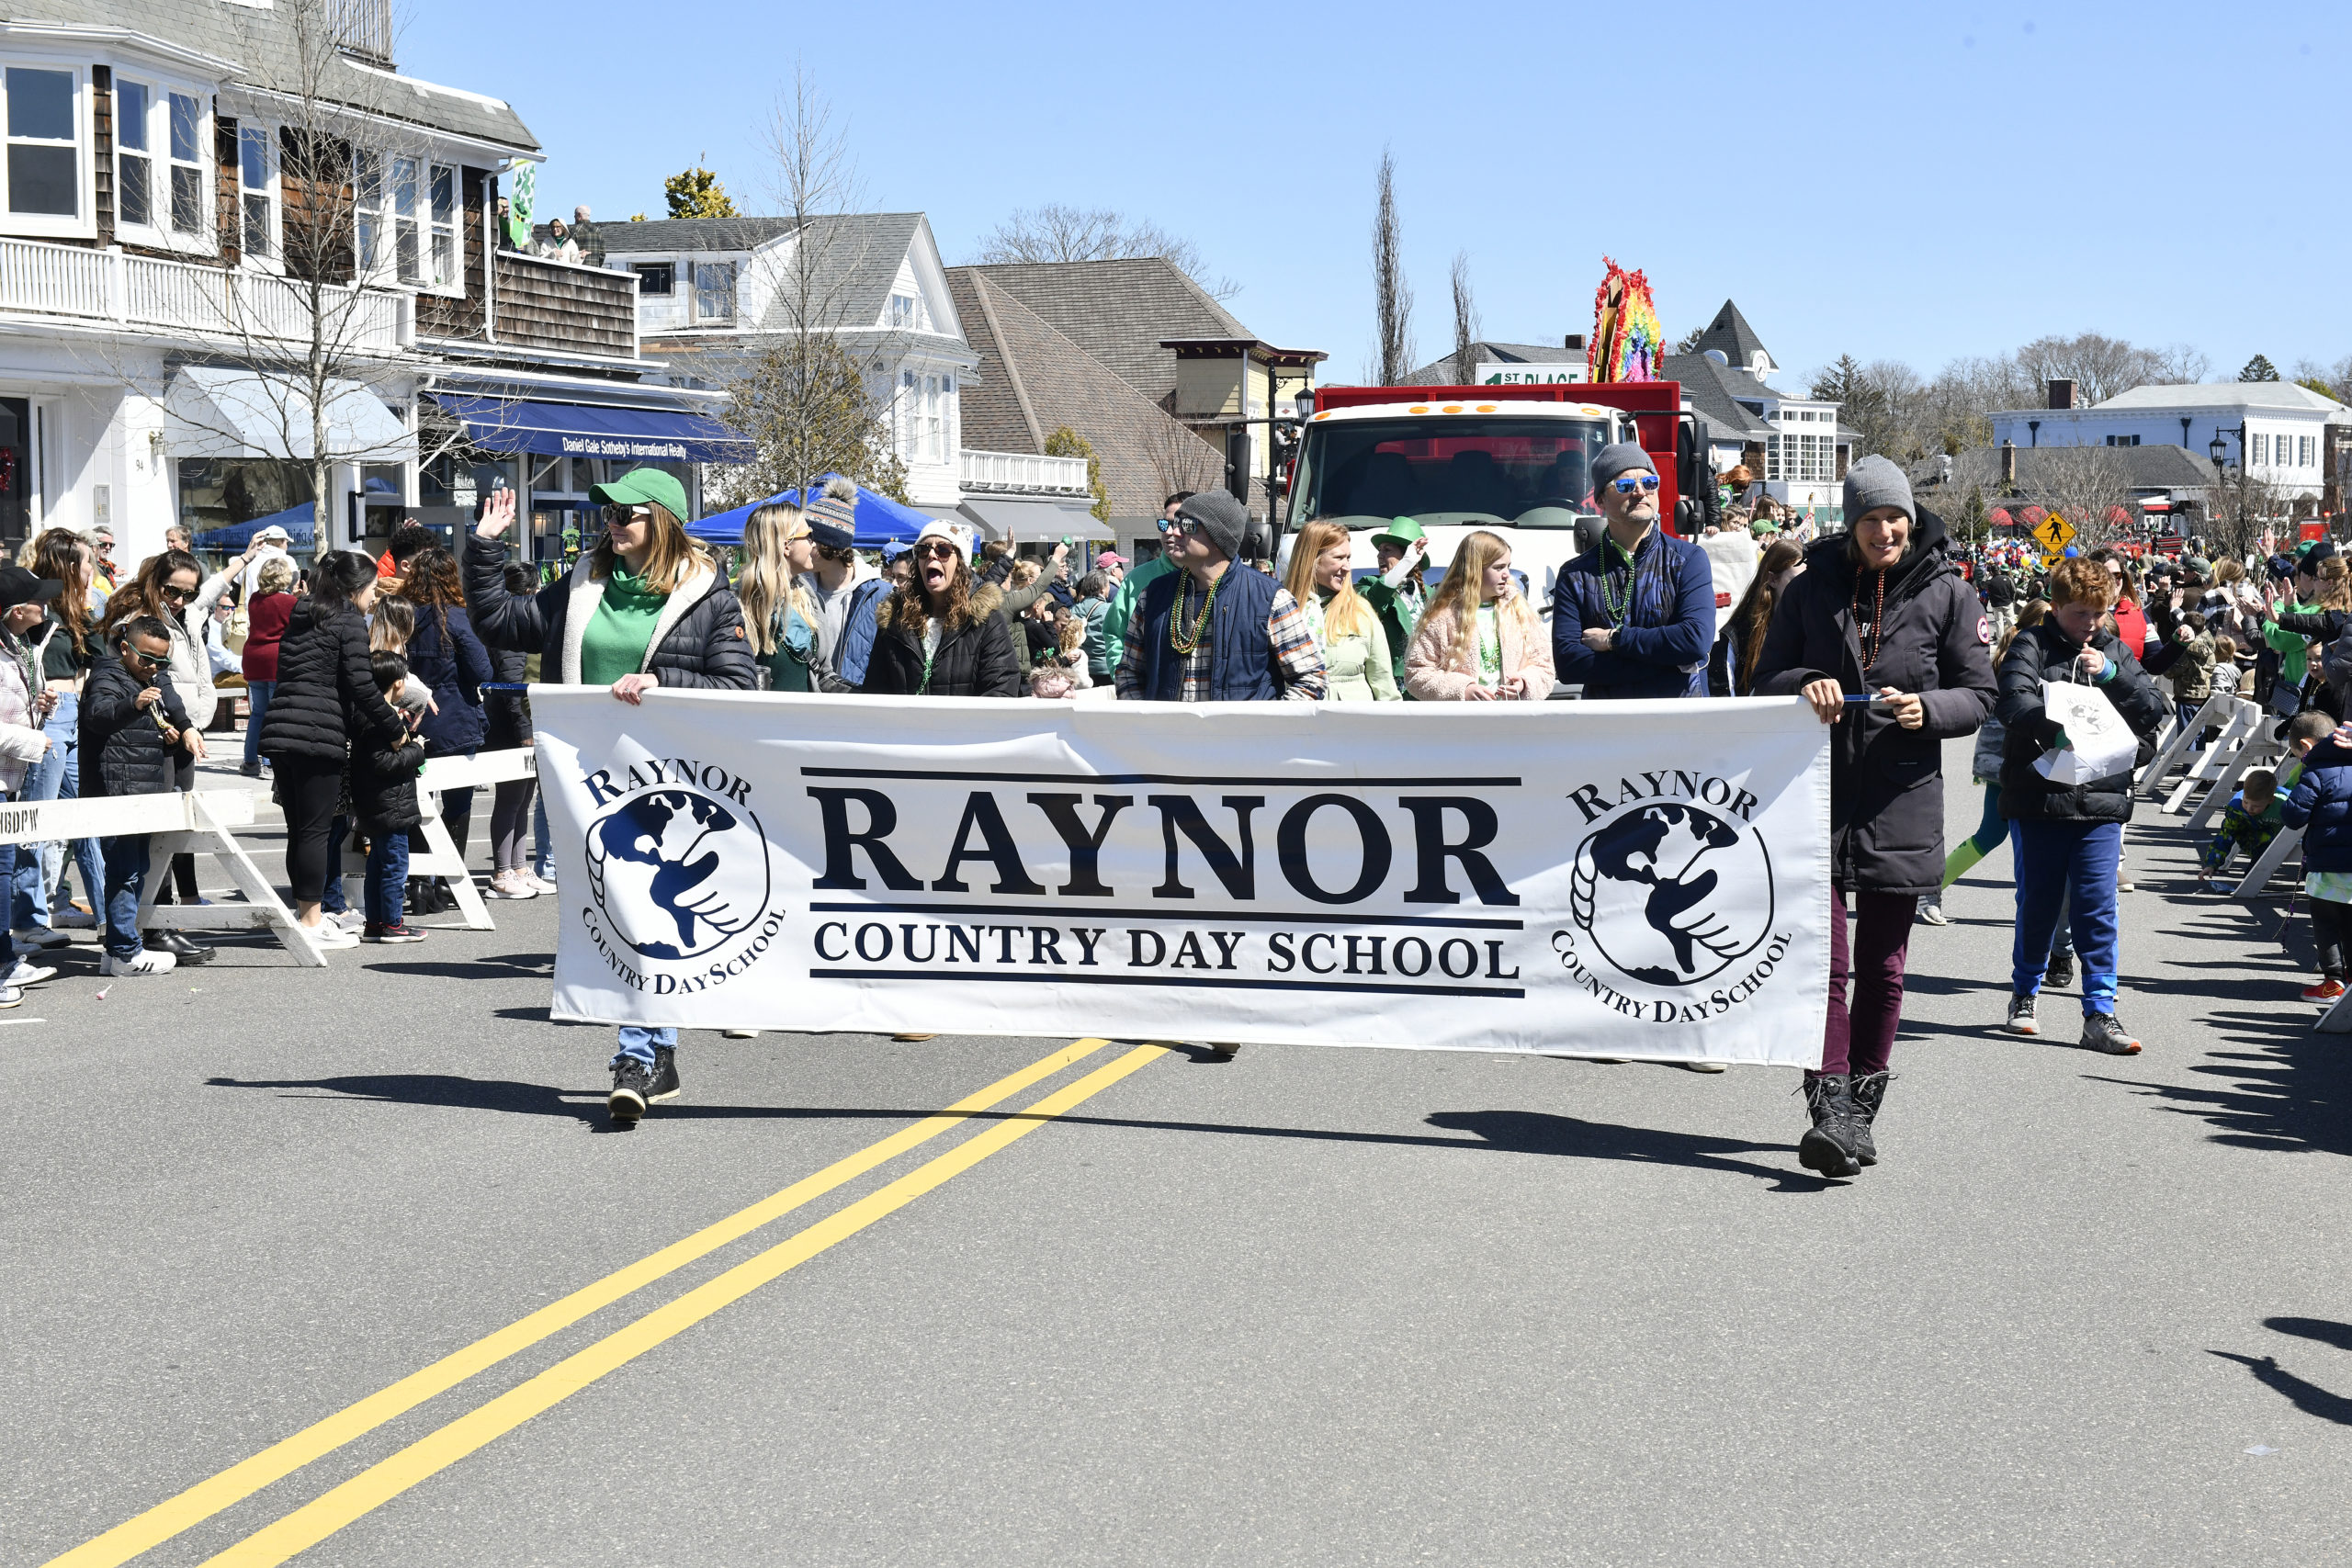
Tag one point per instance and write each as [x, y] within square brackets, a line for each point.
[1307, 1307]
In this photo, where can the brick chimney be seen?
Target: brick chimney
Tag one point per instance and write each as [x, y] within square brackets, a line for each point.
[2008, 463]
[2061, 393]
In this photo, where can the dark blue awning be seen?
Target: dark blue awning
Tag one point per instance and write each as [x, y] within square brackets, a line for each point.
[589, 430]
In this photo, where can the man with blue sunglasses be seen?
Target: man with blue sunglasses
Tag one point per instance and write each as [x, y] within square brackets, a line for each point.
[1635, 616]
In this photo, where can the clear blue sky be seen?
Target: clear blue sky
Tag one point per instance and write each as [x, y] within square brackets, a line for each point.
[1884, 180]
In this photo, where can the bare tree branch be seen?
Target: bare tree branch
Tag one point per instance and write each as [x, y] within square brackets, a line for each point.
[1055, 233]
[1392, 296]
[1466, 320]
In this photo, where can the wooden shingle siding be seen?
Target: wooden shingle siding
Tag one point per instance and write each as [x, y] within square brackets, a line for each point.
[567, 309]
[229, 221]
[102, 151]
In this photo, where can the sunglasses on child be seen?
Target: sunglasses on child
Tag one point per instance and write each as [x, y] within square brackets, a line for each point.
[1628, 483]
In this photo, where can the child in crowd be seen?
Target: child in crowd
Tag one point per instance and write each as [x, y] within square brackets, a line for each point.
[2253, 819]
[384, 799]
[2322, 806]
[2192, 672]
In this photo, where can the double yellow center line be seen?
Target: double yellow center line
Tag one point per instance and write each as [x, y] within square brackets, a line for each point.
[436, 1451]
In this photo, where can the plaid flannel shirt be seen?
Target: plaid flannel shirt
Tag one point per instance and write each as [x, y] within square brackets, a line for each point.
[1300, 662]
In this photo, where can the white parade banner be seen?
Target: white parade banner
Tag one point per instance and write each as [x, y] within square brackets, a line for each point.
[1647, 880]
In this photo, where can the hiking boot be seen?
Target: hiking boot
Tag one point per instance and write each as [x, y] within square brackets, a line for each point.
[2101, 1032]
[2061, 969]
[1931, 913]
[631, 1083]
[665, 1075]
[2327, 990]
[1828, 1146]
[2021, 1019]
[1869, 1090]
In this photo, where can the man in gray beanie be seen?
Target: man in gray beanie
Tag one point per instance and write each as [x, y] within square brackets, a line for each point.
[1635, 616]
[1213, 630]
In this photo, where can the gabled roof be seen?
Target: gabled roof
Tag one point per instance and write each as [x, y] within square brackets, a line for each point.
[1118, 313]
[260, 40]
[2287, 396]
[2139, 468]
[859, 256]
[666, 236]
[1714, 390]
[1730, 332]
[1032, 381]
[1442, 372]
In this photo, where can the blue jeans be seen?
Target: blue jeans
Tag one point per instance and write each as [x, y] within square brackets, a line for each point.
[126, 878]
[639, 1042]
[260, 692]
[2066, 868]
[542, 851]
[57, 776]
[386, 878]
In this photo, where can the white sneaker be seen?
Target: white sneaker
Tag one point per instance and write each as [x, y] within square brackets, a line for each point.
[739, 1034]
[352, 920]
[28, 973]
[1705, 1066]
[150, 960]
[543, 884]
[10, 996]
[511, 885]
[327, 935]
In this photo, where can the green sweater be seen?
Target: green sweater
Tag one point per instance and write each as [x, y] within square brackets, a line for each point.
[1123, 602]
[621, 630]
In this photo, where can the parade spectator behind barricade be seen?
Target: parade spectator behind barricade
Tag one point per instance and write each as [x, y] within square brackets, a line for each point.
[268, 545]
[134, 731]
[24, 599]
[384, 803]
[644, 608]
[447, 659]
[2067, 839]
[1093, 604]
[1023, 586]
[865, 613]
[1399, 592]
[1133, 583]
[2321, 804]
[1480, 641]
[1112, 566]
[1209, 633]
[839, 577]
[104, 572]
[1635, 615]
[2192, 668]
[2251, 820]
[171, 588]
[1999, 591]
[1732, 488]
[327, 701]
[2126, 619]
[506, 726]
[1060, 669]
[1357, 660]
[2324, 617]
[944, 634]
[266, 614]
[1731, 667]
[1883, 613]
[780, 612]
[65, 644]
[1039, 629]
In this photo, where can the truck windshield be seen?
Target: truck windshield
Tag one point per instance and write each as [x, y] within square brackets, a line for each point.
[1530, 473]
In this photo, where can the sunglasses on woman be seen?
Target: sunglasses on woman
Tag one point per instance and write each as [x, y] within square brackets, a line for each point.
[622, 516]
[935, 551]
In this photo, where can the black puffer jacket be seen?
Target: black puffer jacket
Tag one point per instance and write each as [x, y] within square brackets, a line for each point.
[326, 697]
[1886, 783]
[975, 660]
[2043, 653]
[699, 640]
[123, 751]
[383, 786]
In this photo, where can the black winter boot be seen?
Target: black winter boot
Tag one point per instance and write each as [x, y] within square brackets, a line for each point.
[1829, 1146]
[1870, 1093]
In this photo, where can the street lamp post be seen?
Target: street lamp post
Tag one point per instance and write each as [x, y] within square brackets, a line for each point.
[2217, 448]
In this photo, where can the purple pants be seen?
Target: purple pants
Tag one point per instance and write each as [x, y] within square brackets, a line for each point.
[1860, 1037]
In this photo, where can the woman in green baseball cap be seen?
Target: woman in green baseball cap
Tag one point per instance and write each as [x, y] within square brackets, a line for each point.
[644, 607]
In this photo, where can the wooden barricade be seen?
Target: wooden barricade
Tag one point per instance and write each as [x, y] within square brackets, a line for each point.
[438, 855]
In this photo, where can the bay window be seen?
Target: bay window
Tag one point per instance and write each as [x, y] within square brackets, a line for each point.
[44, 138]
[367, 213]
[187, 128]
[134, 162]
[256, 178]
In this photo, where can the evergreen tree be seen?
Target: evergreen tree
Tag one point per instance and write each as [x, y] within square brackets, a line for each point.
[2259, 368]
[696, 192]
[1067, 443]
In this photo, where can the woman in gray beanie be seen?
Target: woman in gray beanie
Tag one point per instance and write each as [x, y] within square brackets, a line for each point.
[1881, 611]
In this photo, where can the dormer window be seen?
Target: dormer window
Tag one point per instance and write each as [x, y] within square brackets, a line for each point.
[656, 278]
[714, 291]
[901, 314]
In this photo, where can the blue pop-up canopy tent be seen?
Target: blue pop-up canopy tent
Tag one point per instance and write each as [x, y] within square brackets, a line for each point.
[880, 520]
[299, 522]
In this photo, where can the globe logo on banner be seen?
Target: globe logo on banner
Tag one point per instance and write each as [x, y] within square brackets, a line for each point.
[677, 873]
[1671, 893]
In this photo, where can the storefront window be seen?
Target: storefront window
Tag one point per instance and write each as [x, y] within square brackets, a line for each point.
[218, 495]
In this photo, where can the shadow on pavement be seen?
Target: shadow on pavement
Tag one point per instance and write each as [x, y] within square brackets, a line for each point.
[507, 966]
[2307, 1398]
[2288, 1092]
[1507, 1131]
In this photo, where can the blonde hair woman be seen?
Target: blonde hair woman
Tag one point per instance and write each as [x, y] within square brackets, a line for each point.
[1479, 642]
[1354, 645]
[779, 612]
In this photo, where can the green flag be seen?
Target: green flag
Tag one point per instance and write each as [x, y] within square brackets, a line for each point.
[518, 204]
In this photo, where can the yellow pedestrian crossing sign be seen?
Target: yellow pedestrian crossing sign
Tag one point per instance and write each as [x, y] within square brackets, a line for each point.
[2054, 532]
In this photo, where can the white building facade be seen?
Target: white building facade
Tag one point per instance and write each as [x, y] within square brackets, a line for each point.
[2274, 430]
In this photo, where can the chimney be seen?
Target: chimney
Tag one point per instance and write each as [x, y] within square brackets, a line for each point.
[2008, 463]
[2061, 393]
[1575, 341]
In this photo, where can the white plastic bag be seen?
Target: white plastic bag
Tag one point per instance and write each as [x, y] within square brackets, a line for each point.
[2098, 742]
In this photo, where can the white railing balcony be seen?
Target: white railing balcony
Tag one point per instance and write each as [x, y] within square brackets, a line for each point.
[1022, 473]
[184, 298]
